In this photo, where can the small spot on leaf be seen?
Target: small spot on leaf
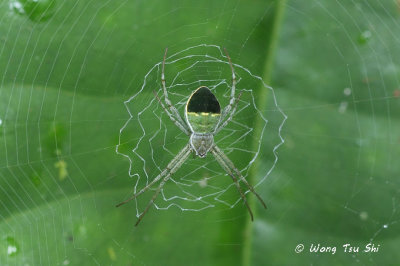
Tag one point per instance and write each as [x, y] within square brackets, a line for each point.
[111, 253]
[364, 37]
[347, 91]
[35, 178]
[343, 107]
[70, 238]
[363, 216]
[12, 247]
[82, 230]
[36, 10]
[61, 165]
[203, 182]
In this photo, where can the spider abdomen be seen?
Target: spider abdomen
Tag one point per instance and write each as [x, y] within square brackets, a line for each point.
[201, 143]
[203, 111]
[203, 122]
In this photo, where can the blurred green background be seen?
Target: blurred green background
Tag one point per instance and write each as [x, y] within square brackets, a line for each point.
[67, 67]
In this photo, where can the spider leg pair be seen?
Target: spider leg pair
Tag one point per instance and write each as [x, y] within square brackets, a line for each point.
[171, 168]
[204, 120]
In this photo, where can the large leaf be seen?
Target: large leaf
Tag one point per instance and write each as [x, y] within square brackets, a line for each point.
[337, 182]
[67, 68]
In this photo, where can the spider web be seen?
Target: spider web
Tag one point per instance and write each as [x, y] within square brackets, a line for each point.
[201, 183]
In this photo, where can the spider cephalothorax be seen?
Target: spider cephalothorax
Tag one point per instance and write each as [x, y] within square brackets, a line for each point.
[204, 120]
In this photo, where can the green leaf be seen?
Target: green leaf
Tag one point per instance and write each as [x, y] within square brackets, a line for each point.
[66, 72]
[336, 181]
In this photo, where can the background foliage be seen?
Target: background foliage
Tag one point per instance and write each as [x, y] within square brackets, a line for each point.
[67, 67]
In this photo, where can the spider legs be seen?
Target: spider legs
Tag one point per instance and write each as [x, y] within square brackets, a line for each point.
[173, 112]
[232, 166]
[233, 88]
[174, 161]
[228, 170]
[153, 199]
[232, 100]
[228, 166]
[171, 168]
[143, 189]
[221, 126]
[181, 126]
[230, 109]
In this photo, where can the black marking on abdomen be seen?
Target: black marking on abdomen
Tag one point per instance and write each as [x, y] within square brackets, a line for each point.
[203, 101]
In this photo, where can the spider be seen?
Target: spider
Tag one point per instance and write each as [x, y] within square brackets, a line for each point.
[203, 120]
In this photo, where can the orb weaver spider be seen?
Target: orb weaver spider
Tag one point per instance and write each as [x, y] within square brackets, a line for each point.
[203, 120]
